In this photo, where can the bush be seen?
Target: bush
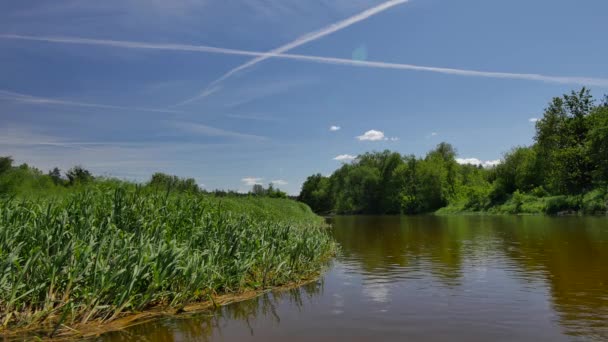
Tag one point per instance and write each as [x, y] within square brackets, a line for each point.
[539, 191]
[559, 204]
[478, 198]
[595, 202]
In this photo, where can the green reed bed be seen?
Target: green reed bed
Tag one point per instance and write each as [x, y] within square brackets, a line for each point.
[99, 253]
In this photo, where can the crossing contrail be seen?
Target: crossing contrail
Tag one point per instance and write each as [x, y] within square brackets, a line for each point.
[578, 80]
[309, 37]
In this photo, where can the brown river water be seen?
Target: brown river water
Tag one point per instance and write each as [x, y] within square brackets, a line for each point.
[429, 278]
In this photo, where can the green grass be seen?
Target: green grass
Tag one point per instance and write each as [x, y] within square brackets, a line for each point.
[592, 203]
[106, 250]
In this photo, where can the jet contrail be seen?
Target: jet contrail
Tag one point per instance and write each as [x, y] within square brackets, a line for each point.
[309, 37]
[588, 81]
[24, 98]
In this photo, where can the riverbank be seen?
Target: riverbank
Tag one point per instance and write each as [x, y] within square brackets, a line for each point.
[106, 252]
[592, 203]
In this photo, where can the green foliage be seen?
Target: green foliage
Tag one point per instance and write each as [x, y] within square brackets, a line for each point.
[389, 183]
[271, 191]
[477, 198]
[167, 182]
[78, 175]
[103, 250]
[562, 204]
[518, 171]
[568, 160]
[595, 202]
[6, 163]
[55, 175]
[27, 181]
[562, 141]
[597, 143]
[316, 193]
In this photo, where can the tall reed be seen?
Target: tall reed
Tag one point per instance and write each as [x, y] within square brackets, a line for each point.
[102, 252]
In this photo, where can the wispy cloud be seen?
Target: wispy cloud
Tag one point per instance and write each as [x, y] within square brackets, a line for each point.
[16, 135]
[576, 80]
[250, 93]
[309, 37]
[251, 181]
[345, 157]
[475, 161]
[533, 120]
[254, 117]
[279, 182]
[197, 128]
[334, 128]
[35, 100]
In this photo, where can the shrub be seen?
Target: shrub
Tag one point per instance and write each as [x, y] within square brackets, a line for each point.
[557, 204]
[595, 202]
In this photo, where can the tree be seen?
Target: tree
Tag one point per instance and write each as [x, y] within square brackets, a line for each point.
[316, 193]
[569, 157]
[598, 144]
[406, 182]
[518, 171]
[170, 182]
[78, 175]
[561, 137]
[55, 175]
[273, 192]
[6, 163]
[258, 190]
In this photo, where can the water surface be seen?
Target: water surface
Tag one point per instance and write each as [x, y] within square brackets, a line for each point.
[428, 278]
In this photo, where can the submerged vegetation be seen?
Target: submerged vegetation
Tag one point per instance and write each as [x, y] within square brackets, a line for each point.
[564, 171]
[83, 249]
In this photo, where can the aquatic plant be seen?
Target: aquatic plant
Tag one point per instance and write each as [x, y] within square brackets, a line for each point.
[102, 252]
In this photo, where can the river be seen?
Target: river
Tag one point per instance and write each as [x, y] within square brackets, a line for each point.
[429, 278]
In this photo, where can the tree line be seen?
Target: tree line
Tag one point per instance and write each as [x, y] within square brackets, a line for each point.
[565, 169]
[25, 179]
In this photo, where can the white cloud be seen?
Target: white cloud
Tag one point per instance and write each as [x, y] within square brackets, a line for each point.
[279, 182]
[309, 37]
[345, 157]
[533, 120]
[372, 135]
[251, 181]
[491, 163]
[476, 161]
[473, 161]
[434, 134]
[578, 80]
[334, 128]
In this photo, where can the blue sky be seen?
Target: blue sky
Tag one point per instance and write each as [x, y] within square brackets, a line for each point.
[144, 92]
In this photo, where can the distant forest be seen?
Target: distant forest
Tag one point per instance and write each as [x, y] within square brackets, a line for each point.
[564, 171]
[23, 180]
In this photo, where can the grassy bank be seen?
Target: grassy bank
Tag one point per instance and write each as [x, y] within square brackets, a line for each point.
[592, 203]
[105, 251]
